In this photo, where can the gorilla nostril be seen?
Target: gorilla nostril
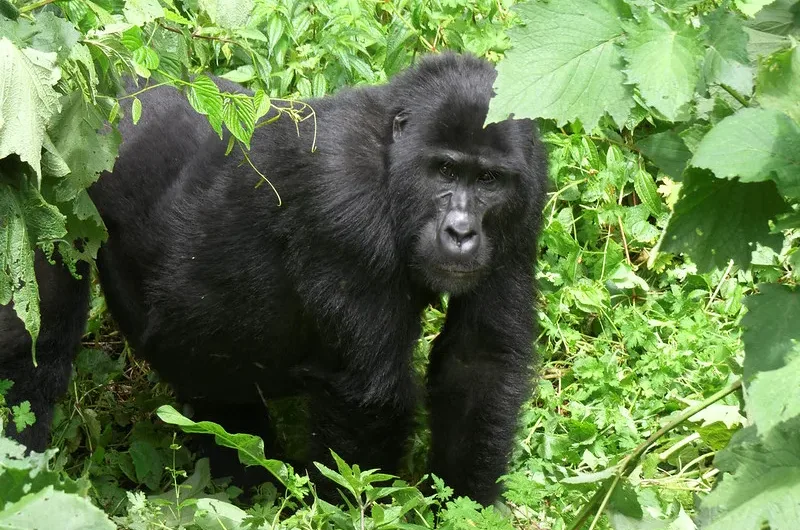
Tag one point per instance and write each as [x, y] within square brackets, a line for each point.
[461, 237]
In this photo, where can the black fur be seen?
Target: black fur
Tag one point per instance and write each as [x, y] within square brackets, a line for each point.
[234, 299]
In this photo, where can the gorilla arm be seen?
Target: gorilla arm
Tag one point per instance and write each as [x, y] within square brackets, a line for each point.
[479, 375]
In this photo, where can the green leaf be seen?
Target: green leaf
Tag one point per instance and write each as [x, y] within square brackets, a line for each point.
[564, 65]
[140, 12]
[54, 34]
[668, 151]
[646, 190]
[726, 61]
[230, 14]
[778, 84]
[80, 139]
[771, 331]
[761, 482]
[25, 219]
[664, 59]
[214, 514]
[751, 7]
[49, 508]
[755, 145]
[774, 397]
[23, 415]
[249, 447]
[717, 220]
[781, 17]
[27, 101]
[136, 110]
[205, 98]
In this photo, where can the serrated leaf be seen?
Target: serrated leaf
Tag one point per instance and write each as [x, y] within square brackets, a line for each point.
[50, 508]
[773, 397]
[761, 483]
[204, 97]
[771, 331]
[136, 110]
[780, 17]
[751, 7]
[778, 83]
[78, 134]
[754, 145]
[27, 101]
[564, 65]
[146, 57]
[668, 151]
[726, 60]
[229, 14]
[140, 12]
[54, 34]
[646, 190]
[664, 58]
[716, 220]
[25, 219]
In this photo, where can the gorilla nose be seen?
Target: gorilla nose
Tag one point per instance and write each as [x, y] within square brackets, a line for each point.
[460, 240]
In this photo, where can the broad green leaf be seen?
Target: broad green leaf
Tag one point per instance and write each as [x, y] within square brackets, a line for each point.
[761, 483]
[668, 151]
[754, 145]
[773, 397]
[761, 44]
[771, 331]
[27, 101]
[230, 14]
[25, 219]
[779, 83]
[717, 220]
[22, 474]
[781, 17]
[49, 508]
[54, 34]
[564, 65]
[726, 61]
[751, 7]
[664, 59]
[249, 447]
[79, 137]
[205, 98]
[140, 12]
[136, 110]
[214, 514]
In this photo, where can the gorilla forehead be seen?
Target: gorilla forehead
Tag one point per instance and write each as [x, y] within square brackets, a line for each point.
[447, 97]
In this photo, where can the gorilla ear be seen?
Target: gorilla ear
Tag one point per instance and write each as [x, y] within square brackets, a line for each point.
[399, 123]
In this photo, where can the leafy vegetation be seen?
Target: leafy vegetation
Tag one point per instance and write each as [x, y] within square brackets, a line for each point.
[673, 134]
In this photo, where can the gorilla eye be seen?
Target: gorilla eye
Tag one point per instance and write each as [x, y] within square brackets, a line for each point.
[446, 169]
[487, 177]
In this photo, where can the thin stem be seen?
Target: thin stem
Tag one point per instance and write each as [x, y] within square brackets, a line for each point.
[35, 5]
[628, 464]
[735, 94]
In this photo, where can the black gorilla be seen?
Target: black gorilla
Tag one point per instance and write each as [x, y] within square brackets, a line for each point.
[234, 299]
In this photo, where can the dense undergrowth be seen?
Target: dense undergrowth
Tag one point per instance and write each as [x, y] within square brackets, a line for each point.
[630, 338]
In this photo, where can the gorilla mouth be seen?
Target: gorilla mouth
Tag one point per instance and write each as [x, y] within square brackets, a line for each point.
[459, 271]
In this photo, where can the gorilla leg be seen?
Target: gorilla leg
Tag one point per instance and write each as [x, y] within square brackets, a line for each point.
[64, 302]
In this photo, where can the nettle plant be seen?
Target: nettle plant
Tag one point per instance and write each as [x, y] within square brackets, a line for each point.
[706, 94]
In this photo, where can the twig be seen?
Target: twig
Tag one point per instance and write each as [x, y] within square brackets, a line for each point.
[735, 93]
[628, 464]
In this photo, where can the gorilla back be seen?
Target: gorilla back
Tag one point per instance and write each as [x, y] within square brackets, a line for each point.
[233, 298]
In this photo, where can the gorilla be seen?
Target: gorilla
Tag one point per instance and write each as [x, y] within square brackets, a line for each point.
[234, 299]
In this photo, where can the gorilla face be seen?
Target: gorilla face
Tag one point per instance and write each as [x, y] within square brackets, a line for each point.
[466, 180]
